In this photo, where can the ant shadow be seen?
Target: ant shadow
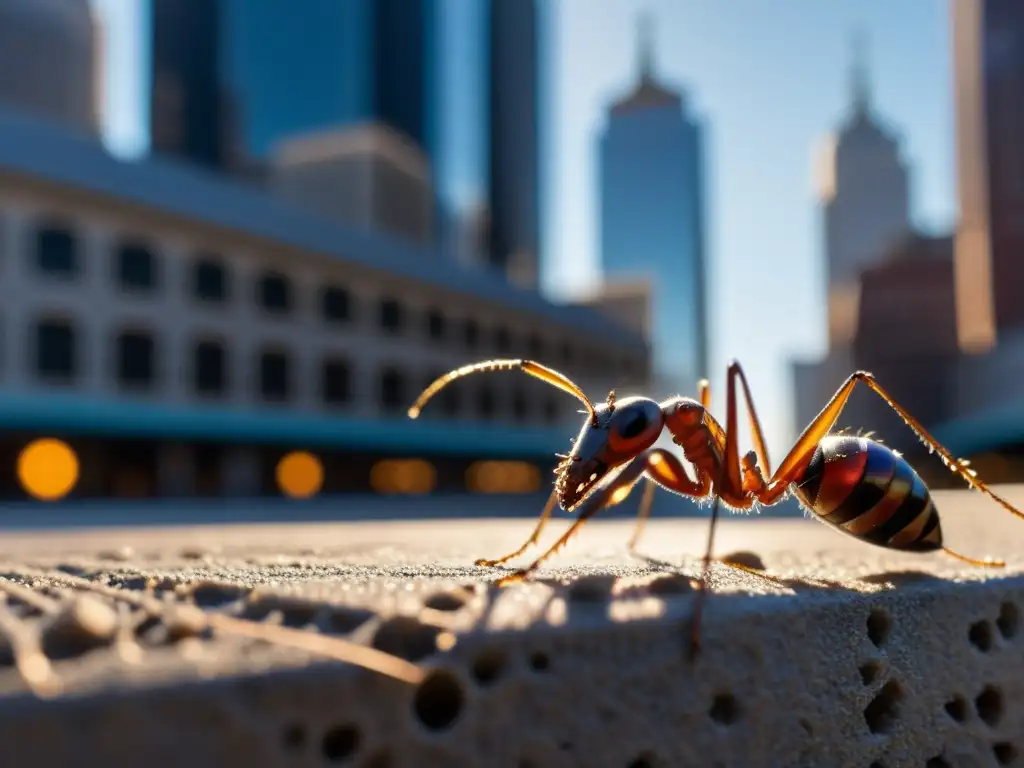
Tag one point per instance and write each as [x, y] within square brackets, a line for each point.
[586, 592]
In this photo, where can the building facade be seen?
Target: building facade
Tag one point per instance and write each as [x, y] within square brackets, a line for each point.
[184, 332]
[653, 217]
[988, 51]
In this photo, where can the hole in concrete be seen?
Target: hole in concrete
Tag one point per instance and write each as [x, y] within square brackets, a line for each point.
[539, 661]
[445, 601]
[869, 672]
[879, 625]
[937, 762]
[212, 595]
[439, 700]
[725, 709]
[644, 760]
[876, 764]
[1004, 752]
[341, 742]
[294, 736]
[883, 711]
[807, 727]
[989, 705]
[1009, 620]
[342, 620]
[980, 635]
[488, 666]
[957, 708]
[406, 637]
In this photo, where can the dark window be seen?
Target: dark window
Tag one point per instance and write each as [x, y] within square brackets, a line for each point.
[335, 304]
[274, 292]
[535, 346]
[210, 368]
[486, 402]
[56, 251]
[392, 390]
[390, 315]
[519, 406]
[135, 359]
[502, 341]
[56, 356]
[274, 383]
[435, 324]
[136, 267]
[336, 384]
[210, 280]
[471, 334]
[551, 410]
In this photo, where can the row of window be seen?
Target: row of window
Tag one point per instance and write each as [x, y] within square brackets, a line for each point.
[56, 360]
[136, 269]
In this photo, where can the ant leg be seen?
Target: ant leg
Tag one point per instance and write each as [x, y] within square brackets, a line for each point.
[666, 470]
[544, 517]
[729, 478]
[704, 394]
[646, 501]
[605, 496]
[955, 465]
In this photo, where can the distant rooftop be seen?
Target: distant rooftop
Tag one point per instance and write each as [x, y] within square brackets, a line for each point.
[648, 92]
[50, 152]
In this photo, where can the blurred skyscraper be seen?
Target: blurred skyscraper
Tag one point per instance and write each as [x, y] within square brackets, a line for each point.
[653, 216]
[988, 49]
[188, 106]
[49, 61]
[409, 65]
[514, 114]
[865, 194]
[863, 186]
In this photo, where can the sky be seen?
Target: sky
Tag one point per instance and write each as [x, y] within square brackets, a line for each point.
[769, 79]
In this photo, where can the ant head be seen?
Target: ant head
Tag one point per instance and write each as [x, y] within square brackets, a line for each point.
[612, 435]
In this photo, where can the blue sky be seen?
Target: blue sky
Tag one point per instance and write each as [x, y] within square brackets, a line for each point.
[769, 78]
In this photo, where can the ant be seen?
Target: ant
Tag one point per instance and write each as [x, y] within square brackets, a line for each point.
[854, 484]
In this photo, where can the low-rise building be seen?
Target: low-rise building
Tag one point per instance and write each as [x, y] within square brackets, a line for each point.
[183, 332]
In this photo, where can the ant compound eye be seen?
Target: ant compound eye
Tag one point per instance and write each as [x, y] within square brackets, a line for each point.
[634, 426]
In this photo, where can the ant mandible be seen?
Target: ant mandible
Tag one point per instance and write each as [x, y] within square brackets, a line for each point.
[854, 484]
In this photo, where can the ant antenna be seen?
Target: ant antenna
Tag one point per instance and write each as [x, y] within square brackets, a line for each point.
[536, 370]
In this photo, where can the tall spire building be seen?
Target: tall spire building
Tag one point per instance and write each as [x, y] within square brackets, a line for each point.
[864, 188]
[864, 192]
[652, 214]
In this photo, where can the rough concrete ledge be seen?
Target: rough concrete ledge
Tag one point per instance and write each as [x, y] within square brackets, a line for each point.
[849, 657]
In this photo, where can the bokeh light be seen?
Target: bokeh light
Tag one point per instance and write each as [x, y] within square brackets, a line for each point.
[300, 475]
[403, 476]
[48, 469]
[502, 477]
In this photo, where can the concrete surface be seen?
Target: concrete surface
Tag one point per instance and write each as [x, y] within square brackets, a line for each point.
[112, 654]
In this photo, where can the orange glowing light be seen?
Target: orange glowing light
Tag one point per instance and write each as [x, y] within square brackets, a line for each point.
[48, 469]
[300, 475]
